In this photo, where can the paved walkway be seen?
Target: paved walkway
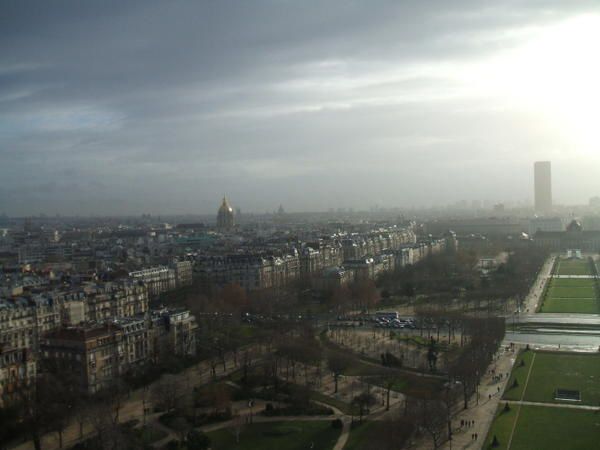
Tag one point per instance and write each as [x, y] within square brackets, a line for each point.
[554, 405]
[533, 300]
[575, 277]
[482, 414]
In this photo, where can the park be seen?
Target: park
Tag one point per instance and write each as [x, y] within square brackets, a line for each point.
[547, 388]
[574, 267]
[543, 372]
[573, 288]
[541, 427]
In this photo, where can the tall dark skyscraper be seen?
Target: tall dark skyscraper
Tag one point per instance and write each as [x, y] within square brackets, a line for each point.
[543, 187]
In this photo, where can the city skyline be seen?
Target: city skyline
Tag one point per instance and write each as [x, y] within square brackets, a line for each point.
[276, 224]
[130, 107]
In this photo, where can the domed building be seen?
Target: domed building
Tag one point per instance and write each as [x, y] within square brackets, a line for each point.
[574, 237]
[225, 216]
[574, 227]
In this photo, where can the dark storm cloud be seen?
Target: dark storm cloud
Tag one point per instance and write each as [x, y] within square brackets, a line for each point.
[153, 105]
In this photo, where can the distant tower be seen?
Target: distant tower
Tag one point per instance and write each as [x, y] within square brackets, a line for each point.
[543, 187]
[225, 216]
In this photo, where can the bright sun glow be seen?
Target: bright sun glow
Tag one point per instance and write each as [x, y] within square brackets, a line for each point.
[556, 74]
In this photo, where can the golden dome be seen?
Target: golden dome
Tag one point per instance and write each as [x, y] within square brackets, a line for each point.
[225, 206]
[225, 216]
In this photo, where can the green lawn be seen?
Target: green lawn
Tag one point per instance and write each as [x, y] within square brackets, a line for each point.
[573, 267]
[573, 282]
[545, 428]
[379, 434]
[276, 436]
[520, 374]
[572, 292]
[360, 436]
[501, 427]
[571, 296]
[557, 370]
[571, 306]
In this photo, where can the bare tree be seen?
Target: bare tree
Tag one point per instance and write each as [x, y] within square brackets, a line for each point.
[218, 396]
[363, 401]
[34, 404]
[337, 363]
[145, 399]
[432, 419]
[106, 426]
[114, 397]
[234, 298]
[167, 392]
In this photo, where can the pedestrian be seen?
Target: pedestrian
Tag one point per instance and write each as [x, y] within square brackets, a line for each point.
[462, 423]
[476, 436]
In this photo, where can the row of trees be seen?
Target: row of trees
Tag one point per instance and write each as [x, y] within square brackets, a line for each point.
[53, 401]
[359, 295]
[484, 338]
[429, 408]
[449, 279]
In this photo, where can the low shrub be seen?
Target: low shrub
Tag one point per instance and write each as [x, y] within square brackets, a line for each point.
[312, 409]
[337, 424]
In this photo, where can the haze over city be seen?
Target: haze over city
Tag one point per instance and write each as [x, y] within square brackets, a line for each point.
[277, 224]
[162, 107]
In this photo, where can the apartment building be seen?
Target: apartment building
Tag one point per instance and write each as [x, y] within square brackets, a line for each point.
[97, 354]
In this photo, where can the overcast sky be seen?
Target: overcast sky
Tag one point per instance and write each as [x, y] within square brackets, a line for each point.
[164, 106]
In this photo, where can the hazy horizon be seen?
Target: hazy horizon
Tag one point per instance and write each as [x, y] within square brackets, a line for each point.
[131, 107]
